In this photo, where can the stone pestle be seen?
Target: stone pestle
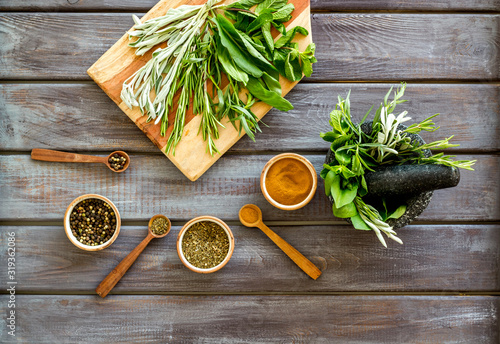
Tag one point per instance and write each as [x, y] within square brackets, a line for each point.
[410, 179]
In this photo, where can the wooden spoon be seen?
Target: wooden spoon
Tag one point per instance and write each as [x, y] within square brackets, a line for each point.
[53, 155]
[256, 221]
[114, 276]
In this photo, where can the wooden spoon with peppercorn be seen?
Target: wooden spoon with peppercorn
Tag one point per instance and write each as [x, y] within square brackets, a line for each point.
[158, 227]
[117, 161]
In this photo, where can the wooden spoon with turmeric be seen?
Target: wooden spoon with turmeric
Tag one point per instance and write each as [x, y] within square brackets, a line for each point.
[251, 216]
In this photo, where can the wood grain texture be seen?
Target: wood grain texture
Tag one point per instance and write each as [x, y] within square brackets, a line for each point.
[358, 47]
[87, 120]
[38, 190]
[318, 5]
[257, 319]
[298, 258]
[108, 283]
[434, 258]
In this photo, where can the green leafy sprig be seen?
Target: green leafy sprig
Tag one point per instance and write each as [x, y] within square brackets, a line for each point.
[356, 152]
[202, 45]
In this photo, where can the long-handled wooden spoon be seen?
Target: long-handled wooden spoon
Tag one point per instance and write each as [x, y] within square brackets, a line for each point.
[251, 216]
[114, 276]
[57, 156]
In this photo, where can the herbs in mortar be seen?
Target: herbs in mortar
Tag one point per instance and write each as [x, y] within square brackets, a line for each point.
[356, 153]
[205, 42]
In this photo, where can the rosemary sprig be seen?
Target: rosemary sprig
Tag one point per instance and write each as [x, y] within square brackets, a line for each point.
[201, 45]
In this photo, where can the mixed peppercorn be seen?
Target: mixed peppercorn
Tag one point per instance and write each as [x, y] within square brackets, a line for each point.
[117, 161]
[92, 222]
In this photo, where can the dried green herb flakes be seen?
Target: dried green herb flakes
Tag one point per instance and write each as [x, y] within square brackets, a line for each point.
[205, 244]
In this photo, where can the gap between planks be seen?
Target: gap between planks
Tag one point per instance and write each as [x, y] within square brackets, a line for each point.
[137, 222]
[338, 293]
[303, 81]
[313, 11]
[247, 153]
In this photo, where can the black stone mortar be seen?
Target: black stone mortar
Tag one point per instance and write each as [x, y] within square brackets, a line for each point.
[416, 202]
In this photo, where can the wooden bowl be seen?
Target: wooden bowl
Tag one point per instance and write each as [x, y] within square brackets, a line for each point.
[301, 159]
[67, 227]
[181, 236]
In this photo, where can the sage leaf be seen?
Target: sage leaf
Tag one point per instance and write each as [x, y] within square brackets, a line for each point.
[136, 19]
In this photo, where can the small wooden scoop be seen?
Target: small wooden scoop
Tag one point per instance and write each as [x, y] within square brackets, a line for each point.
[114, 276]
[255, 220]
[57, 156]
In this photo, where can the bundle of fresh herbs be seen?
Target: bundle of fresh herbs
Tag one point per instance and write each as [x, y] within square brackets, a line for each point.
[357, 152]
[203, 43]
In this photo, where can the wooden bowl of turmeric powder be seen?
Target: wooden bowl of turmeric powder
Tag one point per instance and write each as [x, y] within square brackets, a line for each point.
[288, 181]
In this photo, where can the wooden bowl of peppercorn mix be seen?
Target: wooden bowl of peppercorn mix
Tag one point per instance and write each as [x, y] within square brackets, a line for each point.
[205, 244]
[92, 222]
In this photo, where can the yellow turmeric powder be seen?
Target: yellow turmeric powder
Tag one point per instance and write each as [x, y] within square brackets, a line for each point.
[289, 181]
[249, 215]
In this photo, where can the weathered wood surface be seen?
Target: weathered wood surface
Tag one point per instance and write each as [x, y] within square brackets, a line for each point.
[434, 258]
[350, 47]
[318, 5]
[38, 190]
[257, 319]
[445, 253]
[88, 121]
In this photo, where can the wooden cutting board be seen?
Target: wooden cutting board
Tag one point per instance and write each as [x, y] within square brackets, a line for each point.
[120, 61]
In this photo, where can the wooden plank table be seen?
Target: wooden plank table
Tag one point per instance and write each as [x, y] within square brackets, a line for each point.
[442, 286]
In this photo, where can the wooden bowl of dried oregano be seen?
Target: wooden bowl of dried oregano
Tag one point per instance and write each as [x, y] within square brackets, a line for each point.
[205, 244]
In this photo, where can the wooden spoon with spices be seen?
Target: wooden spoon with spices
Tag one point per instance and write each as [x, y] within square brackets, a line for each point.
[159, 224]
[117, 166]
[251, 216]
